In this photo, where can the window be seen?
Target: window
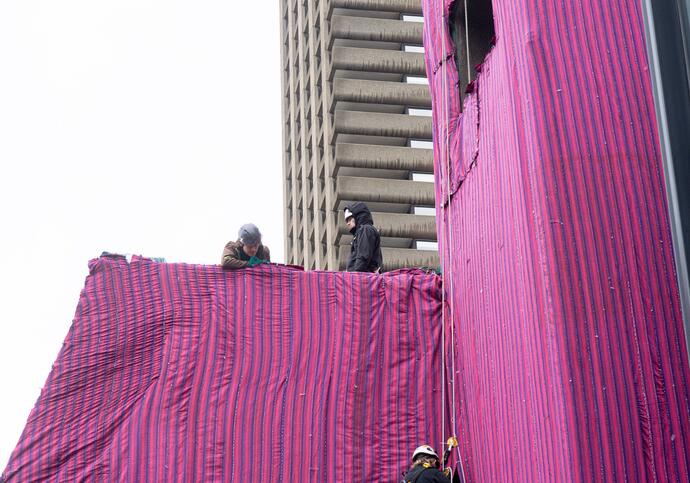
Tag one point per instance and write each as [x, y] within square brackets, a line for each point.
[423, 177]
[426, 245]
[415, 111]
[418, 49]
[418, 143]
[411, 79]
[479, 36]
[413, 18]
[424, 210]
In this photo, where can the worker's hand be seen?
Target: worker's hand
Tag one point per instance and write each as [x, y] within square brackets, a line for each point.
[254, 261]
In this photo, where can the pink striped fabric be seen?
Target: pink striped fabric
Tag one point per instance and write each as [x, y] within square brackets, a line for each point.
[571, 359]
[176, 372]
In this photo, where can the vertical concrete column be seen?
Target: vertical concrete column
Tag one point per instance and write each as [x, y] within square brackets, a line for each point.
[294, 256]
[307, 217]
[284, 82]
[314, 100]
[328, 147]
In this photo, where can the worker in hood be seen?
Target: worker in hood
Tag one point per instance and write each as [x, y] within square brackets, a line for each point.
[425, 467]
[247, 251]
[365, 254]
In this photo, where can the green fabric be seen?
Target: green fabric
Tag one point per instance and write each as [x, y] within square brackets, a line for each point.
[254, 261]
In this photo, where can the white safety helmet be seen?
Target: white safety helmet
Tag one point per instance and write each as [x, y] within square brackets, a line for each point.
[347, 213]
[424, 449]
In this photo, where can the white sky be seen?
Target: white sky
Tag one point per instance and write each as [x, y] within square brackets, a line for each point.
[135, 126]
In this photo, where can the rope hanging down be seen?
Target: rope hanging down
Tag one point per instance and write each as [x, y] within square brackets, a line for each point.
[443, 250]
[447, 236]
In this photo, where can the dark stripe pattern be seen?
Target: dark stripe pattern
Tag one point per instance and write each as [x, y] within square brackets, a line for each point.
[571, 359]
[174, 372]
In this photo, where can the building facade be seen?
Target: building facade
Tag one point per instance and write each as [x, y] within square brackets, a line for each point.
[356, 127]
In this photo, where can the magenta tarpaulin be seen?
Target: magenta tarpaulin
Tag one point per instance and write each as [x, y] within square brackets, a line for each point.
[174, 372]
[571, 359]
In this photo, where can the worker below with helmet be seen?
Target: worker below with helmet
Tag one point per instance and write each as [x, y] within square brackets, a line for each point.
[247, 251]
[365, 253]
[425, 467]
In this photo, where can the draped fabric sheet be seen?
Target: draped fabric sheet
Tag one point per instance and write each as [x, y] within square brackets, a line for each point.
[571, 360]
[174, 372]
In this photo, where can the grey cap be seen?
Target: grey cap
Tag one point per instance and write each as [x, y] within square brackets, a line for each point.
[249, 234]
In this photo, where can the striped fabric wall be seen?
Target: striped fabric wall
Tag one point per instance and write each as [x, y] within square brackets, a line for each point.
[174, 372]
[571, 359]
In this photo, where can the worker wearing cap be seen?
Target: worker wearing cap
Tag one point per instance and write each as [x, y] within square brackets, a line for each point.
[425, 467]
[365, 252]
[247, 251]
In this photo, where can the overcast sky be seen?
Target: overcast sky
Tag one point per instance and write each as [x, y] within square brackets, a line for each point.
[134, 126]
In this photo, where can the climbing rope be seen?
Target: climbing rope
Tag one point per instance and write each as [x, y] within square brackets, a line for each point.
[442, 251]
[447, 235]
[445, 164]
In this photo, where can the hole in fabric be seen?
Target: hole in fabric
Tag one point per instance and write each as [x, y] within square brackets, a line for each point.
[480, 36]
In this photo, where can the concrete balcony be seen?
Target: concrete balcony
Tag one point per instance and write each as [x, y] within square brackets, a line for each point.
[395, 258]
[376, 29]
[417, 193]
[412, 7]
[375, 60]
[380, 92]
[384, 157]
[383, 124]
[401, 225]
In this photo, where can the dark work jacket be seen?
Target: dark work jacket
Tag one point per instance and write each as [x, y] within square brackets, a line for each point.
[419, 474]
[365, 252]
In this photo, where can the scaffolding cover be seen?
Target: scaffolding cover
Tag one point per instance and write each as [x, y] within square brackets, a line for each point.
[175, 372]
[556, 243]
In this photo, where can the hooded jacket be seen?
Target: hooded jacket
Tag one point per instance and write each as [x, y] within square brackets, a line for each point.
[420, 474]
[365, 252]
